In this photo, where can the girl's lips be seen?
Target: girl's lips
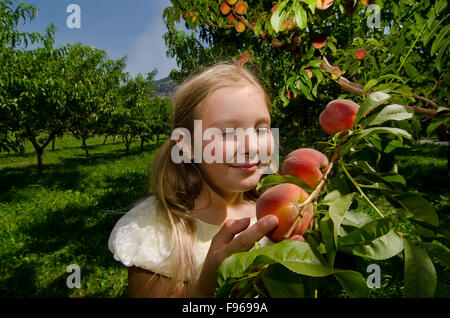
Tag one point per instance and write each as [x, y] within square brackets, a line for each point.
[246, 167]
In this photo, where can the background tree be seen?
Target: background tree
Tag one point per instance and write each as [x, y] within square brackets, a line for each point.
[89, 77]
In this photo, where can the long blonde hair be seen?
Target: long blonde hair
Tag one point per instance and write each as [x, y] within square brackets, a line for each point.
[176, 186]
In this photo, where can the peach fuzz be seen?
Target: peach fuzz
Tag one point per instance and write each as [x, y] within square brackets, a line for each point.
[282, 200]
[306, 164]
[339, 115]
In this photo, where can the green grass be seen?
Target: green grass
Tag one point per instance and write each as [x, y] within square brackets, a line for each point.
[66, 216]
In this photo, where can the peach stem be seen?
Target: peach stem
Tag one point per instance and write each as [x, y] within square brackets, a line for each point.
[315, 194]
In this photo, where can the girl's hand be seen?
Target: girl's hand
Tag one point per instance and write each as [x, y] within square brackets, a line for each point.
[225, 243]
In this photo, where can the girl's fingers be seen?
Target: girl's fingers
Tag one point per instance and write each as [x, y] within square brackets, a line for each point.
[229, 229]
[246, 240]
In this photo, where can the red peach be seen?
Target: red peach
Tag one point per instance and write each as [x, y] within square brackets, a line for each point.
[310, 73]
[366, 2]
[339, 115]
[319, 41]
[284, 26]
[306, 164]
[335, 73]
[275, 7]
[360, 54]
[225, 8]
[324, 4]
[231, 2]
[231, 18]
[241, 8]
[282, 200]
[240, 27]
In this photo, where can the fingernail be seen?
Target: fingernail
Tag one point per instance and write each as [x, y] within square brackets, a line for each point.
[271, 221]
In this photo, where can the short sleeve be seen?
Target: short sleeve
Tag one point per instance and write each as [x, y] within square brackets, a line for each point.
[141, 238]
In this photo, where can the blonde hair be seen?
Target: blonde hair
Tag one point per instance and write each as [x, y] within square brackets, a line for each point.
[176, 186]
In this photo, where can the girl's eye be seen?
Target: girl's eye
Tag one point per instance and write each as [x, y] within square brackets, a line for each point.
[263, 131]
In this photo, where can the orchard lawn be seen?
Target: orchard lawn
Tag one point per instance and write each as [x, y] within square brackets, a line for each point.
[66, 216]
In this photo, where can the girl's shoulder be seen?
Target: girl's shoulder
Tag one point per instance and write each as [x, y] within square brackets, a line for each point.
[141, 237]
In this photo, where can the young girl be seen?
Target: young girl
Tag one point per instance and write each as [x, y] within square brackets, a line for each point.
[174, 241]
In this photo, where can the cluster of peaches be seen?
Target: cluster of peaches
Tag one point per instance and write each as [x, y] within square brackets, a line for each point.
[309, 165]
[240, 8]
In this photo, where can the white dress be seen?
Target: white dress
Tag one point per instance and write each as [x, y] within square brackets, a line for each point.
[141, 238]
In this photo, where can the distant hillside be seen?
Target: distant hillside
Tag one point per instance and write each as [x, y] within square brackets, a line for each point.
[165, 87]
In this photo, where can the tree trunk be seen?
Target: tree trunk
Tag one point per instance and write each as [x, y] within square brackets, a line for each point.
[157, 139]
[115, 138]
[86, 150]
[142, 143]
[53, 144]
[40, 152]
[104, 141]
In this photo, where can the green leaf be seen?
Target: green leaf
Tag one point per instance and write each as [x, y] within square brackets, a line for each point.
[381, 248]
[338, 207]
[353, 283]
[420, 274]
[384, 130]
[301, 17]
[326, 233]
[294, 255]
[391, 112]
[418, 208]
[372, 101]
[280, 282]
[368, 232]
[434, 125]
[441, 39]
[369, 85]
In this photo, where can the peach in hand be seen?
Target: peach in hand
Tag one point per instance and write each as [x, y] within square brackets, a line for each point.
[306, 164]
[282, 201]
[339, 115]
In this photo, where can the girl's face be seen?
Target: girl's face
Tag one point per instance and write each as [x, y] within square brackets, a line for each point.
[240, 151]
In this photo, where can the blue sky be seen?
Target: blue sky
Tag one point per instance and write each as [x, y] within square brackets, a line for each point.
[120, 27]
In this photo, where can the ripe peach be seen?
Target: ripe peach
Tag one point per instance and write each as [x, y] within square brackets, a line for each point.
[324, 4]
[275, 7]
[291, 24]
[360, 54]
[310, 73]
[225, 8]
[240, 27]
[241, 8]
[284, 26]
[339, 115]
[366, 2]
[231, 2]
[335, 73]
[319, 41]
[306, 164]
[282, 200]
[231, 18]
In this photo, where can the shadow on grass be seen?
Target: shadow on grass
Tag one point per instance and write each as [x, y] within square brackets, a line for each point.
[64, 175]
[72, 234]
